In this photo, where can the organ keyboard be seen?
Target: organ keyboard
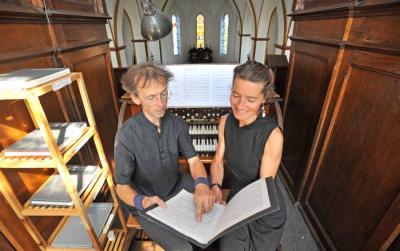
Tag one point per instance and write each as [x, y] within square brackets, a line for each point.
[203, 128]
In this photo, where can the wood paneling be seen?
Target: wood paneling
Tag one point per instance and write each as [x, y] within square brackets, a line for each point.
[368, 31]
[73, 5]
[5, 244]
[69, 35]
[101, 90]
[312, 65]
[361, 156]
[342, 157]
[76, 38]
[36, 40]
[13, 227]
[333, 28]
[308, 4]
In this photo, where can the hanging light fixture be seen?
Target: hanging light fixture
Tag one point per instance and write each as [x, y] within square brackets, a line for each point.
[155, 25]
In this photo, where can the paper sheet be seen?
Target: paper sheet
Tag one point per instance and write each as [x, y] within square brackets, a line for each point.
[180, 213]
[200, 85]
[249, 201]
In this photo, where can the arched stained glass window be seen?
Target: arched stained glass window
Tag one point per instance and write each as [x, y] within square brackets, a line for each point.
[199, 31]
[176, 34]
[223, 37]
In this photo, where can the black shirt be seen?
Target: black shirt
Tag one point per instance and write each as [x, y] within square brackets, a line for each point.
[244, 149]
[148, 160]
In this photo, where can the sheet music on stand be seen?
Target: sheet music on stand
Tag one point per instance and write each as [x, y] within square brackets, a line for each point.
[200, 85]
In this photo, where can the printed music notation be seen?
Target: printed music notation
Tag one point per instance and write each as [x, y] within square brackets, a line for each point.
[200, 85]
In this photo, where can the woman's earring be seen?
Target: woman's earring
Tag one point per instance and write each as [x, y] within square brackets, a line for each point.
[263, 110]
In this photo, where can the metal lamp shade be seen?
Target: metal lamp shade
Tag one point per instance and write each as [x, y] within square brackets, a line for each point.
[155, 27]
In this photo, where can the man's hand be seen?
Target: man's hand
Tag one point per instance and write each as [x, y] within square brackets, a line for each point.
[149, 201]
[204, 200]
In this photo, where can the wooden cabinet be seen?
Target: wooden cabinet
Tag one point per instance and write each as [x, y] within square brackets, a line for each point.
[341, 121]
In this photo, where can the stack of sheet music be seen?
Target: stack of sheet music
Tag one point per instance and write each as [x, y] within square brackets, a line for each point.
[54, 193]
[33, 144]
[28, 78]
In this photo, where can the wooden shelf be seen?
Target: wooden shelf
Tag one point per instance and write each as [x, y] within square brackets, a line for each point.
[102, 236]
[107, 226]
[118, 244]
[38, 90]
[58, 160]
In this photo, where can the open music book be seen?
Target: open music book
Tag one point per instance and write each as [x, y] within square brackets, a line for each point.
[33, 144]
[255, 200]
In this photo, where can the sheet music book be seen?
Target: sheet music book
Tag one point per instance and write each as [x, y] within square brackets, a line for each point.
[255, 200]
[54, 193]
[74, 235]
[33, 144]
[200, 85]
[27, 78]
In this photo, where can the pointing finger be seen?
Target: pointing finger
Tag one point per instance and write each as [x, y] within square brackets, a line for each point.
[199, 211]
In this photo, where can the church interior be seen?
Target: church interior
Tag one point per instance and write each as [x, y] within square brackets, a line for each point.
[336, 100]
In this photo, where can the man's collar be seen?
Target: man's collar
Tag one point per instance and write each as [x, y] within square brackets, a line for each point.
[149, 124]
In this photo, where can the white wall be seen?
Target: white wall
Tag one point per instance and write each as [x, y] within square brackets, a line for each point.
[127, 35]
[273, 32]
[248, 28]
[212, 10]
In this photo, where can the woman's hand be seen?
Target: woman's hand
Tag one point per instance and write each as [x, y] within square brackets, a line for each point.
[218, 194]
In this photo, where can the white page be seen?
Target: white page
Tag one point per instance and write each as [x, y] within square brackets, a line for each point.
[200, 85]
[250, 200]
[180, 213]
[221, 78]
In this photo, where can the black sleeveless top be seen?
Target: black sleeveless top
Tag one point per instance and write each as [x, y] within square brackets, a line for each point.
[244, 148]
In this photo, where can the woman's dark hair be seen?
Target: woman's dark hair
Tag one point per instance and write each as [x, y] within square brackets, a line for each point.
[258, 73]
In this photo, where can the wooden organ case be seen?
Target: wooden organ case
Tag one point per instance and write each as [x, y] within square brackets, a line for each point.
[340, 160]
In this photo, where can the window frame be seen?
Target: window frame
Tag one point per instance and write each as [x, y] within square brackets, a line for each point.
[224, 29]
[178, 35]
[204, 31]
